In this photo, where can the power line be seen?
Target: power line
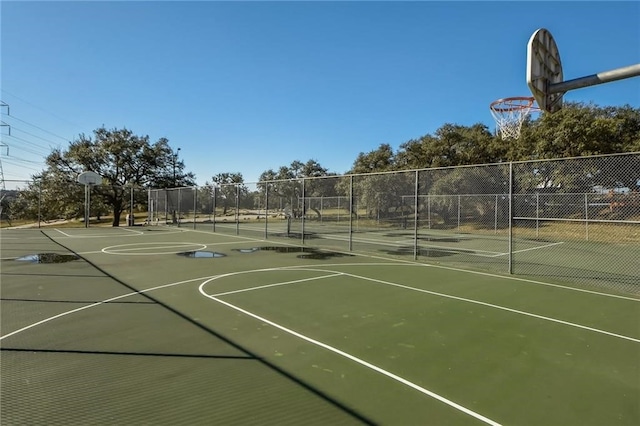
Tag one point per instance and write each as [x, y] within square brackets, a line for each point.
[20, 148]
[22, 160]
[13, 117]
[35, 136]
[44, 151]
[10, 160]
[41, 109]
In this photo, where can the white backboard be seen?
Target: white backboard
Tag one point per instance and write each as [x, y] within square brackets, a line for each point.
[89, 178]
[544, 68]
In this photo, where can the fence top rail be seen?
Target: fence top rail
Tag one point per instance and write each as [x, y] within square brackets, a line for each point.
[583, 158]
[411, 171]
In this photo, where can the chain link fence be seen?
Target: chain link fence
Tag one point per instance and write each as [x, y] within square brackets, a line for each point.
[36, 203]
[565, 220]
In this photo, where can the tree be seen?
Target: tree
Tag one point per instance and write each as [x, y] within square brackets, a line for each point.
[382, 194]
[475, 186]
[286, 183]
[379, 160]
[580, 130]
[51, 196]
[451, 145]
[230, 188]
[124, 161]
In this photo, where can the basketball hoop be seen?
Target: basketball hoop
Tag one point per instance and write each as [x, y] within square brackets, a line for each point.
[510, 113]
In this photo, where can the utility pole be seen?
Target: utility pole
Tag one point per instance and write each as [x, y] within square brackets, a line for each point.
[175, 161]
[3, 145]
[174, 218]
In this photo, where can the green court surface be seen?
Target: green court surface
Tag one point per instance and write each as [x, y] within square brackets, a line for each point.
[160, 325]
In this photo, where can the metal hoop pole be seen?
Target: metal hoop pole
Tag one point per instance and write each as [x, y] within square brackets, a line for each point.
[594, 79]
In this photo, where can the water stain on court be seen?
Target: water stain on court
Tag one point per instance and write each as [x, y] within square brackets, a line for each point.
[48, 258]
[201, 254]
[296, 235]
[427, 237]
[305, 252]
[426, 252]
[248, 250]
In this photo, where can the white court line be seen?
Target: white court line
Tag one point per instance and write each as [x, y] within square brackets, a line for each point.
[426, 264]
[411, 262]
[90, 252]
[93, 305]
[531, 248]
[461, 250]
[355, 359]
[491, 305]
[124, 252]
[134, 234]
[63, 233]
[406, 287]
[22, 239]
[278, 284]
[400, 262]
[148, 254]
[458, 250]
[119, 249]
[225, 243]
[240, 237]
[210, 278]
[130, 230]
[386, 263]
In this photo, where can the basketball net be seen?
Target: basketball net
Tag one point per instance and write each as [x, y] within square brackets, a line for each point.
[510, 113]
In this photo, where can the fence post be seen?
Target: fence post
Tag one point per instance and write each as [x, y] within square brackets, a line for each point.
[39, 202]
[537, 214]
[166, 205]
[195, 205]
[510, 217]
[586, 215]
[429, 209]
[179, 206]
[131, 208]
[87, 203]
[266, 210]
[495, 216]
[415, 217]
[304, 202]
[237, 209]
[351, 213]
[458, 212]
[215, 191]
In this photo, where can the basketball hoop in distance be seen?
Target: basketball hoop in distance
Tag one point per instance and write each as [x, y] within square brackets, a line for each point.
[89, 178]
[510, 113]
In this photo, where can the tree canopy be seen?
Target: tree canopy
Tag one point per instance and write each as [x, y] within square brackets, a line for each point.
[123, 159]
[574, 131]
[126, 160]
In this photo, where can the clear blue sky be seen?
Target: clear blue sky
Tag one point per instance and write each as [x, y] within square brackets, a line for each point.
[250, 86]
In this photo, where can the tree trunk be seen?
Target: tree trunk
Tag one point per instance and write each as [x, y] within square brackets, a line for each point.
[117, 211]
